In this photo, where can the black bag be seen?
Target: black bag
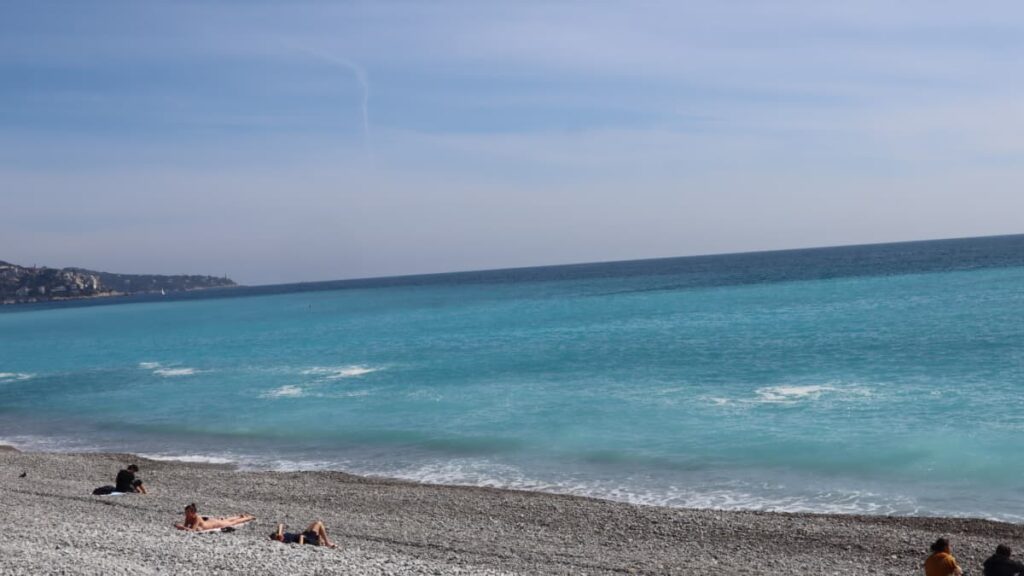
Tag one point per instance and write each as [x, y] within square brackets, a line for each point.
[103, 490]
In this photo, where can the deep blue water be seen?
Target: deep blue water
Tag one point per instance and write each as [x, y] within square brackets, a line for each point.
[884, 379]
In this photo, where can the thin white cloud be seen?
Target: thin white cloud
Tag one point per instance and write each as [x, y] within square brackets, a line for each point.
[359, 74]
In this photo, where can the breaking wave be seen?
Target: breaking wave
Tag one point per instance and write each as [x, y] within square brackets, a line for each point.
[288, 391]
[171, 372]
[793, 394]
[167, 371]
[336, 372]
[190, 458]
[788, 394]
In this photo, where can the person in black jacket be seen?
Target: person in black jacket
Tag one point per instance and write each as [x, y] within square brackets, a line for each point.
[127, 482]
[1000, 564]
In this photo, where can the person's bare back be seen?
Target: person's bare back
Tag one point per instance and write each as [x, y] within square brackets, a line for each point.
[196, 523]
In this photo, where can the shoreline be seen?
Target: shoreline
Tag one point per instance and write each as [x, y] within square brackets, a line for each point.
[392, 526]
[251, 462]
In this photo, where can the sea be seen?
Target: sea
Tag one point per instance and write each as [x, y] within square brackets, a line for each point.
[876, 379]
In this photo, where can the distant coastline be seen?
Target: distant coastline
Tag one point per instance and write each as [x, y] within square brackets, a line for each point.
[856, 260]
[28, 285]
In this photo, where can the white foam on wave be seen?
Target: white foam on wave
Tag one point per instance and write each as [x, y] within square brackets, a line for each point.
[462, 471]
[14, 376]
[792, 393]
[172, 372]
[292, 391]
[37, 443]
[287, 465]
[167, 371]
[287, 391]
[480, 472]
[337, 372]
[714, 495]
[710, 498]
[191, 458]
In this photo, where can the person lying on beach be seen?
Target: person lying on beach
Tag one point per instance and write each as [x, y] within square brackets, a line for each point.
[1000, 564]
[315, 534]
[941, 562]
[127, 482]
[196, 523]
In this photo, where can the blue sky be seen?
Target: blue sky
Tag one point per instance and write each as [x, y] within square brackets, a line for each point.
[297, 141]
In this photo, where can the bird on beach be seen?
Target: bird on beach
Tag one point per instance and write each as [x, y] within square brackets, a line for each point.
[23, 474]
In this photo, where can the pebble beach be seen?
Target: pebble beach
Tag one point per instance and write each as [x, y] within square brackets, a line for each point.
[53, 525]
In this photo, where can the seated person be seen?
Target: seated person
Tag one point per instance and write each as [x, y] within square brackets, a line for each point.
[315, 534]
[941, 562]
[127, 482]
[1000, 564]
[196, 523]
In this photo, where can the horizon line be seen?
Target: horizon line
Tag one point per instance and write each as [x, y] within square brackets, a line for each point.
[645, 259]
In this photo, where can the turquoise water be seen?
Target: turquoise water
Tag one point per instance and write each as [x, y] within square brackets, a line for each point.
[885, 379]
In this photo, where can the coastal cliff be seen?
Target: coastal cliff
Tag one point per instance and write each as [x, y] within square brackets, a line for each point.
[21, 284]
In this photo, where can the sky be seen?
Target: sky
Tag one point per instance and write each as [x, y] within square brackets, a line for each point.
[298, 141]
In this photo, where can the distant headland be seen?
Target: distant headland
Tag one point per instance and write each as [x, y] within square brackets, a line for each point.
[22, 284]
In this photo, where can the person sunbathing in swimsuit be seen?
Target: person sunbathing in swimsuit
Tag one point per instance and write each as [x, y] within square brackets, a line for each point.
[315, 534]
[196, 523]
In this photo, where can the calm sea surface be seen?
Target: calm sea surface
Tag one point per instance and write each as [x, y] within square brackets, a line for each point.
[880, 379]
